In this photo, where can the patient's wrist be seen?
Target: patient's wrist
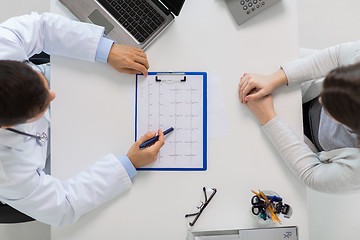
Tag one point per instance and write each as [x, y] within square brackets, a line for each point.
[267, 117]
[280, 78]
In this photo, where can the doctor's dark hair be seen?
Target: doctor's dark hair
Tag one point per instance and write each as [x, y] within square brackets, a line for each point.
[23, 94]
[341, 96]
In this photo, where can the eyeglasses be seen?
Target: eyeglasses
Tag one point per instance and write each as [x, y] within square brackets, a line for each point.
[203, 205]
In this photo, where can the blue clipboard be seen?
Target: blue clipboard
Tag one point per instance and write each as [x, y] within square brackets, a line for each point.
[186, 77]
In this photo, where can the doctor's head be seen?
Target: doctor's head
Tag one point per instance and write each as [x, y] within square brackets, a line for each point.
[24, 93]
[341, 96]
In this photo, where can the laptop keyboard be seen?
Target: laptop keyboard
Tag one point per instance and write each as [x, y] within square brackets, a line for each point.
[137, 16]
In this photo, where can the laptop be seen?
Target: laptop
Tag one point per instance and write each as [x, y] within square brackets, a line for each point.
[243, 10]
[135, 23]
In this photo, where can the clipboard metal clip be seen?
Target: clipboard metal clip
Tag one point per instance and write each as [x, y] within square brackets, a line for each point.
[170, 77]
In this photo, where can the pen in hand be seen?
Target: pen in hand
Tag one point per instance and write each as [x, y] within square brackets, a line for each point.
[154, 139]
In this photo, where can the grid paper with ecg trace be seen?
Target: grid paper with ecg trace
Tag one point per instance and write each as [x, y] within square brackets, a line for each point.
[173, 100]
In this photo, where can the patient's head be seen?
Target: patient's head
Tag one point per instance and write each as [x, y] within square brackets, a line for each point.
[341, 96]
[23, 93]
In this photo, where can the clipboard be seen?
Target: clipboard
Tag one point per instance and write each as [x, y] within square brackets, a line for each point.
[178, 100]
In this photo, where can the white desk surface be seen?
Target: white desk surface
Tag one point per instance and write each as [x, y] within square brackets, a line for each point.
[91, 117]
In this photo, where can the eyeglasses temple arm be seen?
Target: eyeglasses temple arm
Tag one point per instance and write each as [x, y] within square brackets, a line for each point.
[202, 209]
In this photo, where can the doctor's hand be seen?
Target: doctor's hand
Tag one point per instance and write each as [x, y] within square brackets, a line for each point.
[140, 157]
[128, 59]
[262, 84]
[262, 108]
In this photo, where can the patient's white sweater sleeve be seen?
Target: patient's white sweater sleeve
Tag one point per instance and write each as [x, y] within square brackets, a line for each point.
[318, 65]
[333, 171]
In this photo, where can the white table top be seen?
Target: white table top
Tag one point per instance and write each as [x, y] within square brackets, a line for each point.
[203, 38]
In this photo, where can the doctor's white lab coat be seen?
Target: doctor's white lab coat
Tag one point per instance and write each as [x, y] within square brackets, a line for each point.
[23, 184]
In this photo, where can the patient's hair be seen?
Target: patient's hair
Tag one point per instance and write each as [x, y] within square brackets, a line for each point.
[23, 94]
[341, 96]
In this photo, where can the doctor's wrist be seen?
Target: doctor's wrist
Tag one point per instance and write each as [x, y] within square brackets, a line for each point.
[103, 50]
[128, 165]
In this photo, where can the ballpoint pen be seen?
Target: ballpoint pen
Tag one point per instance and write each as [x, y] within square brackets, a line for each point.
[154, 139]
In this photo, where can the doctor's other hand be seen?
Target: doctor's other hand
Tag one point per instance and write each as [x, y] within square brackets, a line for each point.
[262, 84]
[128, 59]
[140, 157]
[262, 108]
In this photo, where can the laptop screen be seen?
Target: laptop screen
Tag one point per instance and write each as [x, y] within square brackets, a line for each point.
[174, 5]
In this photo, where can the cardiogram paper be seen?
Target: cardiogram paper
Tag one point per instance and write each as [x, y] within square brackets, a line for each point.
[177, 104]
